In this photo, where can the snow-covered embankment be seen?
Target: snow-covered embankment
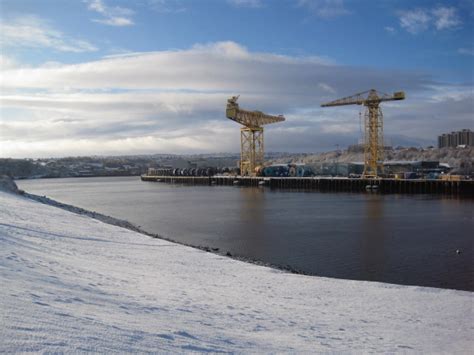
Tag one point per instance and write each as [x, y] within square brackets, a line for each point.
[72, 283]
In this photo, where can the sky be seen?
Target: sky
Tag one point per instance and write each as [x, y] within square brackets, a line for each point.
[117, 77]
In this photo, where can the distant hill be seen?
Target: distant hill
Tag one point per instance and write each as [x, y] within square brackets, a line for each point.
[461, 159]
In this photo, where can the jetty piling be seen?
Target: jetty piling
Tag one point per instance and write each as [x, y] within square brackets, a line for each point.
[403, 186]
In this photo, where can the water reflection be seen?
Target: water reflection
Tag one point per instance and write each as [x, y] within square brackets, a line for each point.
[252, 205]
[252, 219]
[374, 229]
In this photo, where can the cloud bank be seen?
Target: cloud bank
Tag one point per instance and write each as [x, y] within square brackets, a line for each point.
[174, 102]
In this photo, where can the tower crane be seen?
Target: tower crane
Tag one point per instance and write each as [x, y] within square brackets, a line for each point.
[373, 117]
[251, 135]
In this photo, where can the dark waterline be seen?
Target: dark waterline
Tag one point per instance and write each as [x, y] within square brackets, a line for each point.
[403, 239]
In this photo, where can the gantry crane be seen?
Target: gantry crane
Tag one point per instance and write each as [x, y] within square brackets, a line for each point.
[373, 117]
[251, 135]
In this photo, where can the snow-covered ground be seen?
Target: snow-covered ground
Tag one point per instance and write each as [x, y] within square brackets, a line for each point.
[72, 283]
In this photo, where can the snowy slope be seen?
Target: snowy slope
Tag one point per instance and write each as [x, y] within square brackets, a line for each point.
[71, 283]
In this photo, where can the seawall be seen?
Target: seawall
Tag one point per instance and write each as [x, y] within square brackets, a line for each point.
[458, 188]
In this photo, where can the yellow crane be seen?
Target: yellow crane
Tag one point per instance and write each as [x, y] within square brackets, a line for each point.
[373, 118]
[251, 135]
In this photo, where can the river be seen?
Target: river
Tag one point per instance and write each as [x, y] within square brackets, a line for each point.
[401, 239]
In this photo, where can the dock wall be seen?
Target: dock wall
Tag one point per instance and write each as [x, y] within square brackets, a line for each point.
[462, 187]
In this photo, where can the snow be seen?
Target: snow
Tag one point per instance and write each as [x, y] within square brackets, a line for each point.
[70, 283]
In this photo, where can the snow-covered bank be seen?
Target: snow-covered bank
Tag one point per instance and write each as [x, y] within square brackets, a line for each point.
[71, 283]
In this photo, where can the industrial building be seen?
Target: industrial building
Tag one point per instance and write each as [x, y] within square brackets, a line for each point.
[392, 169]
[464, 137]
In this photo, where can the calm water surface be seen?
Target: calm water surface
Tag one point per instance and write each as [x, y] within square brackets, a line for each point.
[403, 239]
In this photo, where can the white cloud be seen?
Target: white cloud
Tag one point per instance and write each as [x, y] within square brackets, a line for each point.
[415, 21]
[223, 66]
[7, 62]
[419, 20]
[445, 18]
[327, 88]
[325, 8]
[246, 3]
[34, 32]
[115, 21]
[466, 51]
[167, 6]
[174, 101]
[390, 29]
[112, 16]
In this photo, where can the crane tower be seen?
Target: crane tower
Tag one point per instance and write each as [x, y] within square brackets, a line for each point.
[373, 118]
[251, 135]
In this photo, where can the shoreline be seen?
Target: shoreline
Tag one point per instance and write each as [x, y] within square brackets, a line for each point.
[217, 251]
[9, 185]
[130, 226]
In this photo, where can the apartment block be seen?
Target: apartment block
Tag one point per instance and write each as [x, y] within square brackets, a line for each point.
[454, 139]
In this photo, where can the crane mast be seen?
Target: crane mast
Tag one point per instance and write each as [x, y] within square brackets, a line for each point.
[373, 119]
[251, 135]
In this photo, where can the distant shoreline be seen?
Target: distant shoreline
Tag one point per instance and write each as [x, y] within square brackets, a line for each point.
[72, 177]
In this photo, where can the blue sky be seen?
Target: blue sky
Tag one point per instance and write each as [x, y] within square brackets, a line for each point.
[146, 76]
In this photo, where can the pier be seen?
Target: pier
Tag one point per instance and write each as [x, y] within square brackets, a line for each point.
[403, 186]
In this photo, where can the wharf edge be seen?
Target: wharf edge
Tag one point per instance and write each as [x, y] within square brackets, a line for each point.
[408, 186]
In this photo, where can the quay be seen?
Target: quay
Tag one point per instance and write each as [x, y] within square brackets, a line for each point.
[404, 186]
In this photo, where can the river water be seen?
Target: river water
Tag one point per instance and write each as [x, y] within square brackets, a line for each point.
[402, 239]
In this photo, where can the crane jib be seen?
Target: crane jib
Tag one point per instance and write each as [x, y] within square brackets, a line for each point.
[252, 118]
[251, 135]
[373, 117]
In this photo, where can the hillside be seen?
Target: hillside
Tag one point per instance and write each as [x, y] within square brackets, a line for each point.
[458, 158]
